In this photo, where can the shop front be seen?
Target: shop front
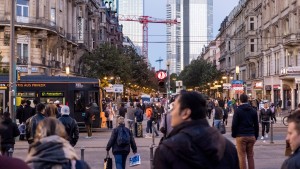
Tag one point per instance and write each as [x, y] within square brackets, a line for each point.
[276, 91]
[258, 90]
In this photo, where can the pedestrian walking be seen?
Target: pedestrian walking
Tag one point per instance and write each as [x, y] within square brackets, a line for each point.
[88, 119]
[70, 124]
[123, 110]
[58, 108]
[293, 138]
[265, 119]
[245, 130]
[192, 142]
[218, 115]
[225, 114]
[51, 110]
[50, 148]
[273, 112]
[130, 117]
[32, 122]
[110, 117]
[121, 141]
[160, 112]
[20, 112]
[288, 105]
[8, 133]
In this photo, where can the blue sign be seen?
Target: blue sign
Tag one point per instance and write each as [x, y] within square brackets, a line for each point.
[237, 82]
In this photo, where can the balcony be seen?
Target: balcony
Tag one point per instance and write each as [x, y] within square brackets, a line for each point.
[292, 39]
[36, 23]
[289, 72]
[22, 61]
[251, 55]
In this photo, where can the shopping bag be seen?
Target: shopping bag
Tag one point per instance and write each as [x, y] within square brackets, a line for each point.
[134, 160]
[222, 128]
[107, 162]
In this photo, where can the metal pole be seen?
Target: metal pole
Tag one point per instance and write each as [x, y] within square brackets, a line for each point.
[237, 95]
[12, 64]
[168, 89]
[271, 141]
[82, 153]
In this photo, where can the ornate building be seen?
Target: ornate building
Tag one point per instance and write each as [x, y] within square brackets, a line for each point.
[261, 37]
[53, 35]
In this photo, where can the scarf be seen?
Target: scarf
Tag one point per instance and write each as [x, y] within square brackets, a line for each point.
[51, 152]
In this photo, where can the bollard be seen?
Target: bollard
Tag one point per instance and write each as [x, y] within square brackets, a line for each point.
[152, 148]
[271, 141]
[82, 153]
[10, 152]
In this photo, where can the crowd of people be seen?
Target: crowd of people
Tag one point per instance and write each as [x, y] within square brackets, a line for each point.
[188, 141]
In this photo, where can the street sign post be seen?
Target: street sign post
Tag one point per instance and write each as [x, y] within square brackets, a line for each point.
[118, 88]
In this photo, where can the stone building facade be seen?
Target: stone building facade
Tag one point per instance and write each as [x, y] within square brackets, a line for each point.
[262, 38]
[53, 35]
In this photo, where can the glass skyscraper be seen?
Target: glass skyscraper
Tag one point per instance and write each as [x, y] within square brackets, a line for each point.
[186, 40]
[132, 29]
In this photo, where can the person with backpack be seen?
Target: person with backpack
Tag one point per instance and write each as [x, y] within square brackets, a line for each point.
[121, 141]
[33, 121]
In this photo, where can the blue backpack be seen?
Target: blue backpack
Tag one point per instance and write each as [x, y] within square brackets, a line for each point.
[123, 138]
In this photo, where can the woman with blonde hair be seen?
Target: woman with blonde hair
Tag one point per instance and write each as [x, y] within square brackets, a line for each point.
[51, 150]
[51, 110]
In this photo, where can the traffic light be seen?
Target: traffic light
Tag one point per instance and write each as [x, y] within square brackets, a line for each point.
[161, 83]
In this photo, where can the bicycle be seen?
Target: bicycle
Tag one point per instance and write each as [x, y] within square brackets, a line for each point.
[284, 120]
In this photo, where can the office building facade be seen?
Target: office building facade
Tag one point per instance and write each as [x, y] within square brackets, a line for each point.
[186, 40]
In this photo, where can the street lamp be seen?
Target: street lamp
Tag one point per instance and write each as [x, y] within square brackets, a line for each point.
[237, 71]
[67, 70]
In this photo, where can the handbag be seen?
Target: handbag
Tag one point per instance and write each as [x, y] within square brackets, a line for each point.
[107, 162]
[222, 128]
[134, 160]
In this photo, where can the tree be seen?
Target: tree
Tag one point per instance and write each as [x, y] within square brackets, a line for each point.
[199, 73]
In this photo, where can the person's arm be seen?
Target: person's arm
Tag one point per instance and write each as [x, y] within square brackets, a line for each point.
[76, 133]
[234, 125]
[112, 139]
[260, 115]
[16, 130]
[256, 126]
[132, 143]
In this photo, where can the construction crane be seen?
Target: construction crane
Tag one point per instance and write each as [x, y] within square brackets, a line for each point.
[159, 61]
[145, 20]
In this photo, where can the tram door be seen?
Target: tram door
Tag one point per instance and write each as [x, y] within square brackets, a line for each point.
[2, 101]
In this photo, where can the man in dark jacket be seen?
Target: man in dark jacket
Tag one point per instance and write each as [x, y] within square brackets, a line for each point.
[32, 122]
[122, 110]
[8, 133]
[70, 124]
[91, 111]
[245, 129]
[121, 151]
[20, 112]
[193, 143]
[28, 111]
[265, 118]
[293, 138]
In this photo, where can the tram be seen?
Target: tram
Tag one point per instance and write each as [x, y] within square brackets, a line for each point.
[76, 92]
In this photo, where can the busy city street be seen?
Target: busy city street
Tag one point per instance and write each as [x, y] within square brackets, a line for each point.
[266, 155]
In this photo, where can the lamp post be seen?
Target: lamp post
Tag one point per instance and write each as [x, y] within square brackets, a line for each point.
[68, 70]
[237, 71]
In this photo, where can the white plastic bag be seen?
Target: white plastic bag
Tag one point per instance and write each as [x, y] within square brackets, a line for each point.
[134, 160]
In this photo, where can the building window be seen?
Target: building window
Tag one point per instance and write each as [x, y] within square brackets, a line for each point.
[22, 52]
[251, 23]
[252, 45]
[53, 16]
[93, 24]
[22, 8]
[229, 45]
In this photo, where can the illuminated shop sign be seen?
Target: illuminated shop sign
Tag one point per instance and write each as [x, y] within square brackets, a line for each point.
[52, 94]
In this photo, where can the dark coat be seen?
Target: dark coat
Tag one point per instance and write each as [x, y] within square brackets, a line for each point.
[90, 113]
[245, 122]
[28, 112]
[12, 163]
[71, 127]
[265, 115]
[9, 132]
[293, 161]
[20, 114]
[31, 125]
[194, 144]
[122, 111]
[112, 143]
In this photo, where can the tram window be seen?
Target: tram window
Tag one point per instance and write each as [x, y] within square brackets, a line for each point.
[93, 97]
[79, 101]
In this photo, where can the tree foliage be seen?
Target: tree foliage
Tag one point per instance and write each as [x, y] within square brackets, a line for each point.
[199, 73]
[107, 60]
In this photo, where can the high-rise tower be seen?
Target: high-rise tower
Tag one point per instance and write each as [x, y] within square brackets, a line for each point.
[134, 30]
[186, 40]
